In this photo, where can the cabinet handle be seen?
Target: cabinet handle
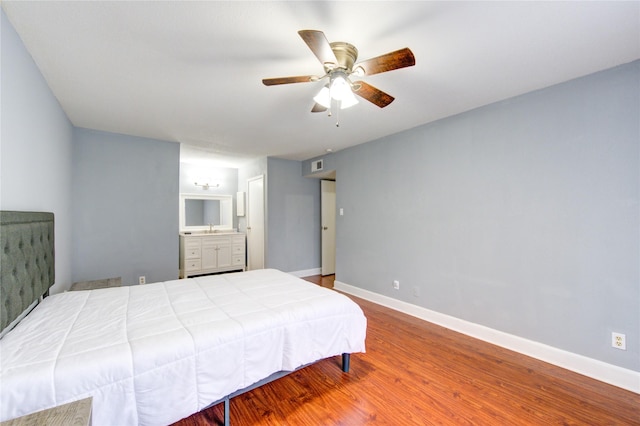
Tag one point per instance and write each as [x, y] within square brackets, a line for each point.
[324, 228]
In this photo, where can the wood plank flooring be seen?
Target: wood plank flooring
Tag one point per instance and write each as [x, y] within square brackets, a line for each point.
[418, 373]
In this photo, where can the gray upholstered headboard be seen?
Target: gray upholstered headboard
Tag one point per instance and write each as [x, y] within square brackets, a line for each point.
[27, 266]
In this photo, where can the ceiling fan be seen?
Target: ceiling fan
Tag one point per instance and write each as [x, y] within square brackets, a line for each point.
[339, 62]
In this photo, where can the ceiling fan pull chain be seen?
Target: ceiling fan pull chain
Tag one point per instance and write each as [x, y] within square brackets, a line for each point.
[338, 113]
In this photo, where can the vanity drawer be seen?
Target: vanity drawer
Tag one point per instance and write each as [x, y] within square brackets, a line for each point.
[238, 260]
[192, 265]
[192, 252]
[237, 249]
[191, 243]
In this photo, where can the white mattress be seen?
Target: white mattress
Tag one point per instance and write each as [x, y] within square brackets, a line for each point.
[156, 353]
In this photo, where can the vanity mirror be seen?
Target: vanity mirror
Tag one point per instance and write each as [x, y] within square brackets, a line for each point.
[200, 212]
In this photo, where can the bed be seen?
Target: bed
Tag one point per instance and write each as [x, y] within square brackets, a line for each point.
[153, 354]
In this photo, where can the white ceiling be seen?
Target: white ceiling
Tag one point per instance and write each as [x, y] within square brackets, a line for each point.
[191, 72]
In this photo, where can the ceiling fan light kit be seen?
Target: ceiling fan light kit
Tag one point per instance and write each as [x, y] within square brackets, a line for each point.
[339, 89]
[338, 60]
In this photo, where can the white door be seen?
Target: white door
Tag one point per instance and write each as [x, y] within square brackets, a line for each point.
[328, 219]
[255, 223]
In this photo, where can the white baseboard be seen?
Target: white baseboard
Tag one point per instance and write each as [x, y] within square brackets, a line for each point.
[307, 272]
[608, 373]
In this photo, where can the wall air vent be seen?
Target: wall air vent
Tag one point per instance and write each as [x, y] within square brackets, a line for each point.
[316, 166]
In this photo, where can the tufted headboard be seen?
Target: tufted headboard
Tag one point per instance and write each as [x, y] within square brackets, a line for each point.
[27, 266]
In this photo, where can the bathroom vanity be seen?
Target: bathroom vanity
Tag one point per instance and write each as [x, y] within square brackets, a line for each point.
[209, 252]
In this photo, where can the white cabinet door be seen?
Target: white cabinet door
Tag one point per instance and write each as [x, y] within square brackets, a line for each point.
[209, 253]
[224, 255]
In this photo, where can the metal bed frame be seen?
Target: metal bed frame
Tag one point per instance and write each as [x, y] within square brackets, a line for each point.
[346, 361]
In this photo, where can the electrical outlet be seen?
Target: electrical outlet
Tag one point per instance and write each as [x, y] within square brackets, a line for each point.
[396, 284]
[619, 341]
[142, 280]
[416, 291]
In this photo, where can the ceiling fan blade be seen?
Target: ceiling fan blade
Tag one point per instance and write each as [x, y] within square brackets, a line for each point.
[391, 61]
[372, 94]
[319, 45]
[318, 108]
[287, 80]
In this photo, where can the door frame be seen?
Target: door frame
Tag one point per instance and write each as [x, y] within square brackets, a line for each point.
[249, 228]
[327, 225]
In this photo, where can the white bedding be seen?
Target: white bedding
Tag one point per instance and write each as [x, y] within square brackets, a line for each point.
[156, 353]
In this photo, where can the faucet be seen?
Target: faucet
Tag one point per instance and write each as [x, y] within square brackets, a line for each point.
[210, 228]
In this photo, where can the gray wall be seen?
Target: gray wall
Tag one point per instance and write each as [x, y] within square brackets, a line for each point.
[293, 243]
[521, 216]
[329, 163]
[125, 207]
[35, 153]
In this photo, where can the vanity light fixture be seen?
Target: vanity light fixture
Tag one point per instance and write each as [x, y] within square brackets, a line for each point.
[207, 185]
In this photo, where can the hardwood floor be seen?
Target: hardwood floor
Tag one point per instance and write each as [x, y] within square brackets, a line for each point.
[418, 373]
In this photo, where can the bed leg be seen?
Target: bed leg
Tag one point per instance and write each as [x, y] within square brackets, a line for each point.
[226, 412]
[345, 362]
